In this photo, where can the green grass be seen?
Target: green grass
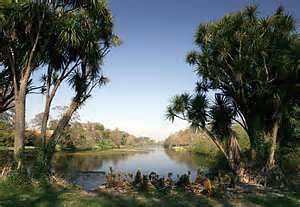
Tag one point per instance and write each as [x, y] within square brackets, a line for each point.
[204, 146]
[49, 196]
[292, 200]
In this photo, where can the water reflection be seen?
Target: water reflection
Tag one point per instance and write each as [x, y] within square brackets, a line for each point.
[156, 159]
[68, 163]
[192, 160]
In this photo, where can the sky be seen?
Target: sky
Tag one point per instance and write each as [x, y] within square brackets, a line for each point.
[149, 67]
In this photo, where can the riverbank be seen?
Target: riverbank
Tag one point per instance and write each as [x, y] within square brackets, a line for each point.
[57, 195]
[66, 194]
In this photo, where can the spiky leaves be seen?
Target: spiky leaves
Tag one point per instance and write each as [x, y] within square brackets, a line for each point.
[96, 38]
[218, 116]
[251, 61]
[222, 114]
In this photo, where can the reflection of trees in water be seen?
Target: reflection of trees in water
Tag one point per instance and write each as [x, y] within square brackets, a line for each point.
[192, 160]
[69, 163]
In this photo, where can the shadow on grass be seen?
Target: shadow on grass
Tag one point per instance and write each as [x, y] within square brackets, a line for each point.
[49, 196]
[45, 196]
[269, 201]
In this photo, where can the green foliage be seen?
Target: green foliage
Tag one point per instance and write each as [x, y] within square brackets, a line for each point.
[6, 137]
[6, 158]
[242, 137]
[99, 127]
[289, 133]
[204, 147]
[6, 92]
[105, 144]
[251, 63]
[19, 177]
[222, 114]
[220, 165]
[194, 141]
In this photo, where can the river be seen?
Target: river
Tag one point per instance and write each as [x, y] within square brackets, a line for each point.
[147, 160]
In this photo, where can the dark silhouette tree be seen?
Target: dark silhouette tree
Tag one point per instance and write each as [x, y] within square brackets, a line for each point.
[252, 62]
[88, 30]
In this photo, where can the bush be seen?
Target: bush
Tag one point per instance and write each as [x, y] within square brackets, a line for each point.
[19, 177]
[219, 165]
[105, 144]
[6, 137]
[204, 146]
[243, 138]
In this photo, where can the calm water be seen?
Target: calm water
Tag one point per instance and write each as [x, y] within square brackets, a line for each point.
[155, 159]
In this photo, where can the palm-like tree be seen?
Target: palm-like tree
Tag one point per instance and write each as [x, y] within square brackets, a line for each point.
[24, 28]
[87, 36]
[215, 118]
[87, 40]
[6, 91]
[250, 60]
[27, 30]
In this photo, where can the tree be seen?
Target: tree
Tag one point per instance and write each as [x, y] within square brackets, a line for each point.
[24, 29]
[37, 120]
[87, 42]
[215, 119]
[7, 95]
[6, 91]
[59, 110]
[91, 39]
[99, 126]
[7, 118]
[33, 33]
[251, 61]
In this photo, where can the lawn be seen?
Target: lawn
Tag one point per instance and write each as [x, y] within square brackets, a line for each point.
[54, 196]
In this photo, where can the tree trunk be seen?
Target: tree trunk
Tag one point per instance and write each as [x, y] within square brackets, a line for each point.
[63, 122]
[45, 120]
[273, 139]
[20, 101]
[217, 143]
[20, 123]
[234, 154]
[47, 106]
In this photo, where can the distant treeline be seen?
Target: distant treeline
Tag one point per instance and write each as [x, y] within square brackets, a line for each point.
[76, 135]
[95, 135]
[199, 142]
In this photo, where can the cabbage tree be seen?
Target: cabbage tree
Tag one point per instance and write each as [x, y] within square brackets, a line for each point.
[251, 61]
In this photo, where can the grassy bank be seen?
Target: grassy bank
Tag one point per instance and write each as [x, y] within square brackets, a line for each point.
[58, 196]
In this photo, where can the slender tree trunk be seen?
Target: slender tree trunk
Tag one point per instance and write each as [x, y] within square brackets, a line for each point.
[20, 123]
[20, 102]
[273, 139]
[63, 122]
[45, 120]
[47, 106]
[49, 97]
[217, 143]
[234, 154]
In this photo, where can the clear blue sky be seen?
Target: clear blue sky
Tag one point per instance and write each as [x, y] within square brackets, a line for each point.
[149, 67]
